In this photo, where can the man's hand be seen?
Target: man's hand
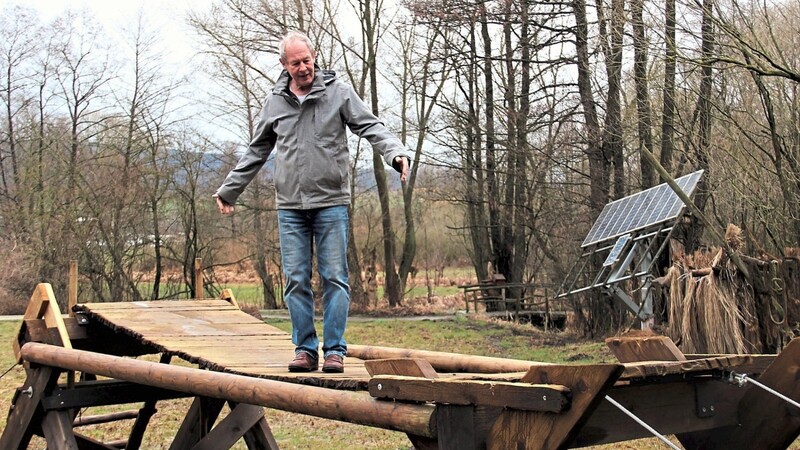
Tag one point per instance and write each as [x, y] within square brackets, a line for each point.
[224, 207]
[402, 161]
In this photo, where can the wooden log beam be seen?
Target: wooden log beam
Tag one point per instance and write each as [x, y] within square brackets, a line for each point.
[355, 407]
[443, 361]
[83, 421]
[522, 396]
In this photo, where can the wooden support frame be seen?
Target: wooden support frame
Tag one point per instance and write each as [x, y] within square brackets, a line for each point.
[355, 407]
[44, 407]
[492, 403]
[27, 410]
[762, 417]
[540, 430]
[741, 416]
[43, 305]
[454, 423]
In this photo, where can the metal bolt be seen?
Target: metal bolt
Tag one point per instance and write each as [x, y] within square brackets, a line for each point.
[704, 409]
[28, 392]
[712, 408]
[380, 387]
[544, 398]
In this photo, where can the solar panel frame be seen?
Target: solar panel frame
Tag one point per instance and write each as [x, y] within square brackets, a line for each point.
[636, 212]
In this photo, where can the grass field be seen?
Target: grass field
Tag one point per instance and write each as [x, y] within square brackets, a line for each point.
[293, 431]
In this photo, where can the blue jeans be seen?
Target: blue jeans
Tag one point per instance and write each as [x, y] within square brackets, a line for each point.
[300, 232]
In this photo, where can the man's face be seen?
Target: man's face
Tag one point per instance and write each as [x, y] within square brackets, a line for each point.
[300, 64]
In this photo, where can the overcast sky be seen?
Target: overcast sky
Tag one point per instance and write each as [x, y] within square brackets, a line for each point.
[168, 16]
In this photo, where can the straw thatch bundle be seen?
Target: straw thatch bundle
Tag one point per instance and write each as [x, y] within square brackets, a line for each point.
[711, 310]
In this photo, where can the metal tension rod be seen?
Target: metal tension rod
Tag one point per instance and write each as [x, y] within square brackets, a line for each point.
[741, 380]
[642, 423]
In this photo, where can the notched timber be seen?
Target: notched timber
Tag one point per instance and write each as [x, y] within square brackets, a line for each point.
[520, 396]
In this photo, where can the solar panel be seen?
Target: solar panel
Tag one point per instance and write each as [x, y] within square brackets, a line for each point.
[650, 207]
[616, 251]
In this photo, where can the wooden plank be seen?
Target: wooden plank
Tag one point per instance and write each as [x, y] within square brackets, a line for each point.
[647, 348]
[208, 304]
[538, 430]
[104, 393]
[231, 428]
[765, 421]
[42, 305]
[173, 316]
[652, 369]
[57, 430]
[37, 330]
[757, 364]
[648, 369]
[521, 396]
[165, 330]
[228, 296]
[405, 366]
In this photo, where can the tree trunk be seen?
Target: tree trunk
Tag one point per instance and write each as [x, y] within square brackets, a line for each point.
[643, 109]
[500, 259]
[392, 283]
[668, 112]
[473, 171]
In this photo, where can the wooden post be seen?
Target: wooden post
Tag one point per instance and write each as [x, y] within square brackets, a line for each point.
[72, 287]
[198, 278]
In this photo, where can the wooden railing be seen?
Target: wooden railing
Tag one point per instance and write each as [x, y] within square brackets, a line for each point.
[515, 299]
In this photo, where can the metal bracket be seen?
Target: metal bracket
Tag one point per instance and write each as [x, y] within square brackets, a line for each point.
[704, 400]
[82, 318]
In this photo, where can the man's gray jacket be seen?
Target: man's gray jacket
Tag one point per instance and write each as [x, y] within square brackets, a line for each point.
[310, 143]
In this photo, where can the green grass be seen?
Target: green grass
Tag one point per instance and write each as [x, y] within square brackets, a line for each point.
[474, 337]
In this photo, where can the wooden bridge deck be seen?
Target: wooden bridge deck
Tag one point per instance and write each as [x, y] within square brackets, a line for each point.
[219, 336]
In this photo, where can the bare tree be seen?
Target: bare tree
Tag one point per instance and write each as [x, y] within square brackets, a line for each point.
[19, 44]
[643, 108]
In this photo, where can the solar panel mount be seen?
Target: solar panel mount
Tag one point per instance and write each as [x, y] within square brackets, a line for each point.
[642, 210]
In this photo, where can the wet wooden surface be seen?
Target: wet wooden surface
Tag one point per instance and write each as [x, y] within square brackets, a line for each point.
[217, 335]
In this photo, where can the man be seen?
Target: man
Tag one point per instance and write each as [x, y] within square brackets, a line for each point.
[303, 121]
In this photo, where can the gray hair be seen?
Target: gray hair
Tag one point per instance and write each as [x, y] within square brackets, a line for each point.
[294, 35]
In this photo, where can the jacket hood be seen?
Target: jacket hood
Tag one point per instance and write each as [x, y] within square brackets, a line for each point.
[322, 78]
